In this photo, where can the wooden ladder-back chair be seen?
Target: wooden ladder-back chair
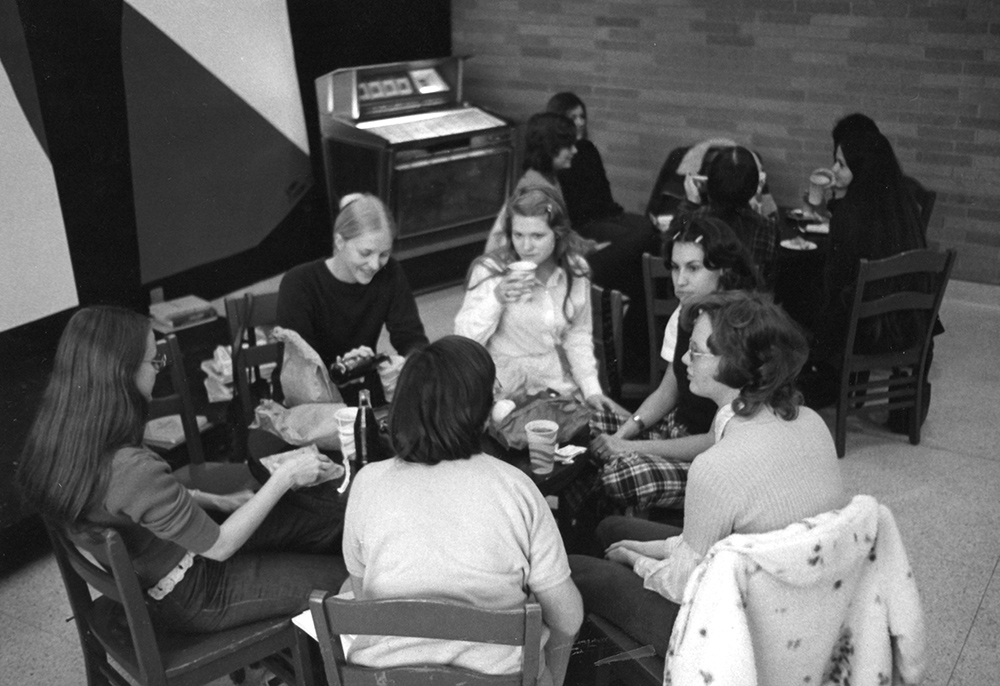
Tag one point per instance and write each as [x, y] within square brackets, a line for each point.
[439, 619]
[117, 624]
[922, 276]
[660, 304]
[244, 314]
[214, 477]
[608, 307]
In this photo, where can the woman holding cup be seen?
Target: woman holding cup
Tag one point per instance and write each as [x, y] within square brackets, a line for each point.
[528, 302]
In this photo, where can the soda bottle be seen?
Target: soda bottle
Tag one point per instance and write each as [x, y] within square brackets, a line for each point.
[367, 443]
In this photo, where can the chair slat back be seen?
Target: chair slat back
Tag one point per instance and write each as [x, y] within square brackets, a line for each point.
[425, 619]
[180, 401]
[250, 310]
[246, 372]
[659, 307]
[608, 308]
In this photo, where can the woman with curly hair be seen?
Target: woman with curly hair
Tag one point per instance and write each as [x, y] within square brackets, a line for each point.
[774, 464]
[647, 453]
[537, 329]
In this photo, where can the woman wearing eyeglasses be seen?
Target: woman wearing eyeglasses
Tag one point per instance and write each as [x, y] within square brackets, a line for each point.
[84, 467]
[773, 464]
[647, 453]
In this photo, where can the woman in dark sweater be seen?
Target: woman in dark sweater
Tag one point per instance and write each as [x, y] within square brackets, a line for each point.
[877, 217]
[594, 214]
[341, 303]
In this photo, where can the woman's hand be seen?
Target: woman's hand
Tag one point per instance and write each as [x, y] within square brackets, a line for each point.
[599, 401]
[513, 286]
[304, 469]
[693, 184]
[622, 556]
[606, 446]
[653, 549]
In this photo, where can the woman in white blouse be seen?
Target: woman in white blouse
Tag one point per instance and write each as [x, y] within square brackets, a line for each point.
[773, 464]
[536, 323]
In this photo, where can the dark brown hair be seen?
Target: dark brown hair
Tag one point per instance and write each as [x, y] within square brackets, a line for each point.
[92, 407]
[761, 349]
[442, 401]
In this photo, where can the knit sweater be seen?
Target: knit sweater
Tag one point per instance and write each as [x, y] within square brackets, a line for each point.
[764, 474]
[335, 317]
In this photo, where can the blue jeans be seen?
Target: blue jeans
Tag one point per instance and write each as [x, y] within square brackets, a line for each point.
[616, 593]
[294, 551]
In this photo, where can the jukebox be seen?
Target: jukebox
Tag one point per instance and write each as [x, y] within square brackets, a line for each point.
[403, 132]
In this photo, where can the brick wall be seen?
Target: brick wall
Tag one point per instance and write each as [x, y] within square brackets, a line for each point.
[773, 74]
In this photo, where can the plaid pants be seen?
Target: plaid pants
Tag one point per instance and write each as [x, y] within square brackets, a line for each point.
[643, 481]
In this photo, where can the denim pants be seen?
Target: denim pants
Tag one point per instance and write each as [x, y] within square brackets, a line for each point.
[616, 593]
[295, 550]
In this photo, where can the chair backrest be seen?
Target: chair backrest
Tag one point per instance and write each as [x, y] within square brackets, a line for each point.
[921, 277]
[608, 308]
[660, 304]
[244, 314]
[250, 310]
[436, 619]
[142, 656]
[179, 401]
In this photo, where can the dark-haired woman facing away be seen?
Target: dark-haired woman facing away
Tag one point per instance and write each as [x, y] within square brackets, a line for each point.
[774, 465]
[443, 520]
[84, 468]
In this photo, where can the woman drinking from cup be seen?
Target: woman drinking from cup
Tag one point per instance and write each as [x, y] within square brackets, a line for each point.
[773, 464]
[85, 468]
[528, 302]
[647, 453]
[877, 217]
[443, 520]
[340, 304]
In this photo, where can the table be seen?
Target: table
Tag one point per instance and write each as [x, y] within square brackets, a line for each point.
[799, 284]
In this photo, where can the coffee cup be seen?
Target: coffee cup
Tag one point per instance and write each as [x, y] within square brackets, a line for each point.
[819, 181]
[345, 417]
[525, 271]
[542, 437]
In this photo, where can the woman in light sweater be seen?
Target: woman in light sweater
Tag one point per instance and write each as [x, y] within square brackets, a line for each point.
[536, 325]
[773, 464]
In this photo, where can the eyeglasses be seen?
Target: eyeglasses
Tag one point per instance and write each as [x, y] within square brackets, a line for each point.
[697, 353]
[158, 362]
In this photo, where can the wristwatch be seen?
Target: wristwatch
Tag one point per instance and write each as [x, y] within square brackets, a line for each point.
[638, 420]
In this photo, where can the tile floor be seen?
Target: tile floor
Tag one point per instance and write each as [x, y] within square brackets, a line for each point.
[945, 494]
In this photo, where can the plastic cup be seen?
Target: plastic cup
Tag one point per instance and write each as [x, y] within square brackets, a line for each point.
[819, 181]
[345, 417]
[542, 435]
[526, 272]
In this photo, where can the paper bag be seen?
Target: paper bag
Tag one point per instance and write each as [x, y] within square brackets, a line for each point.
[304, 377]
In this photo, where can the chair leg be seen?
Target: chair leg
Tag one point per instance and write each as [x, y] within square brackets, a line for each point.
[840, 425]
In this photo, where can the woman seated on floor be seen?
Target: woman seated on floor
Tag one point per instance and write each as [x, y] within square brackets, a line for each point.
[85, 468]
[340, 304]
[537, 326]
[774, 464]
[443, 520]
[647, 453]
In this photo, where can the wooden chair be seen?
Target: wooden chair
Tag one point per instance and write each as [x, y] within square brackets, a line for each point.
[924, 275]
[244, 314]
[660, 304]
[608, 307]
[426, 619]
[117, 624]
[214, 477]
